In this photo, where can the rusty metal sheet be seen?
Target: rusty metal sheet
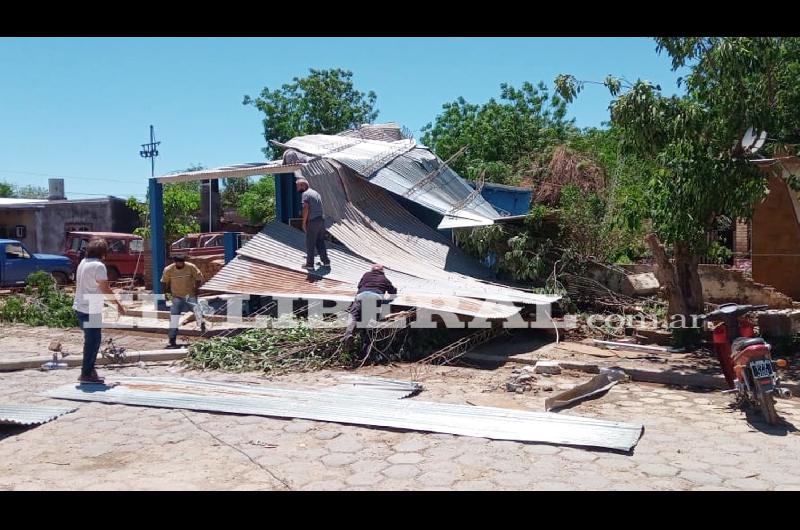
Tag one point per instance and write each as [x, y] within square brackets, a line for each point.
[247, 276]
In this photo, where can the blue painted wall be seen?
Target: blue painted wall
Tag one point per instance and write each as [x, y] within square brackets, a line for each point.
[507, 199]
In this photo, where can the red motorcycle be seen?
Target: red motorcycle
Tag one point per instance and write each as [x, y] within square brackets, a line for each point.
[745, 359]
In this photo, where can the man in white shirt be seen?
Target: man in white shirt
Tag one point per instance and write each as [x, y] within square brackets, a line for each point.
[91, 291]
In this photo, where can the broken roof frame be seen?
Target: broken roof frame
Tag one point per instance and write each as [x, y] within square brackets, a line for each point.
[394, 165]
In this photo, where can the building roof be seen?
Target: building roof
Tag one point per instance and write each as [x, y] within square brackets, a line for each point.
[121, 235]
[8, 201]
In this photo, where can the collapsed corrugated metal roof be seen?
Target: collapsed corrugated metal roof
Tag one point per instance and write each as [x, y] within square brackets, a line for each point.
[407, 169]
[30, 414]
[248, 274]
[284, 246]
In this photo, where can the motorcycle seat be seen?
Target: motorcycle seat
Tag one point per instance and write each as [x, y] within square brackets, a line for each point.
[745, 342]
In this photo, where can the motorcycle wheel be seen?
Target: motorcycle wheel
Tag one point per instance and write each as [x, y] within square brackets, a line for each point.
[767, 404]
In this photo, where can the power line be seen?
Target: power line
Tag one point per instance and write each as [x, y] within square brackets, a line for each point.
[107, 195]
[13, 172]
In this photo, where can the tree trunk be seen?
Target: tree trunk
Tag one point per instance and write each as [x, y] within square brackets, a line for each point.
[682, 289]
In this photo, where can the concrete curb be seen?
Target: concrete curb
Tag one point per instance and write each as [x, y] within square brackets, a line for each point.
[75, 361]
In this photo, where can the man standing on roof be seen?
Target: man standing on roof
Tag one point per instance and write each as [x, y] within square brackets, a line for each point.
[313, 224]
[182, 280]
[371, 290]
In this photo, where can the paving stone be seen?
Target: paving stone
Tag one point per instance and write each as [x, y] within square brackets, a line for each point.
[364, 479]
[299, 427]
[369, 465]
[541, 449]
[411, 446]
[657, 470]
[345, 444]
[747, 484]
[401, 471]
[326, 434]
[511, 480]
[577, 455]
[338, 459]
[324, 485]
[474, 485]
[701, 478]
[552, 486]
[406, 458]
[437, 478]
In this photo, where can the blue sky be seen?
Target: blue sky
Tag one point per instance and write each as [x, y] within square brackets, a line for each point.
[79, 108]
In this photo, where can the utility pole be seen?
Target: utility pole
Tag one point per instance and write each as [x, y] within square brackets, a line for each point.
[151, 151]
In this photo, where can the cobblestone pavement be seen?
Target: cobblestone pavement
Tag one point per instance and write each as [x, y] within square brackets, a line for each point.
[692, 440]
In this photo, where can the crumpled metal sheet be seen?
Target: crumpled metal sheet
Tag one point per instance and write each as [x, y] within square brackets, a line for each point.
[30, 414]
[247, 276]
[283, 245]
[607, 378]
[341, 407]
[399, 167]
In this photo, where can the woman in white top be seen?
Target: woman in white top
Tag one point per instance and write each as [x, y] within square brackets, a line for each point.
[91, 291]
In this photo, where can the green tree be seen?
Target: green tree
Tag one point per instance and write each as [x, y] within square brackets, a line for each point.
[324, 102]
[501, 136]
[233, 191]
[181, 208]
[6, 190]
[31, 192]
[693, 142]
[257, 204]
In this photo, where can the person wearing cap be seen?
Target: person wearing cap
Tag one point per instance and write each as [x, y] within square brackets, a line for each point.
[182, 280]
[371, 290]
[313, 224]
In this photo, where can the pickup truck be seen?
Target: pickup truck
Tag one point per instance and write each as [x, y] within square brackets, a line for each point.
[124, 259]
[16, 263]
[206, 244]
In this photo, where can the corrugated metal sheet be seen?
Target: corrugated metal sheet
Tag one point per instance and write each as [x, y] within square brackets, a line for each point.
[398, 167]
[246, 276]
[234, 171]
[385, 132]
[322, 405]
[30, 414]
[285, 246]
[374, 225]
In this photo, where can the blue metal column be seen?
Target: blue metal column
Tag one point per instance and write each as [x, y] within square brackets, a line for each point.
[157, 239]
[231, 242]
[287, 200]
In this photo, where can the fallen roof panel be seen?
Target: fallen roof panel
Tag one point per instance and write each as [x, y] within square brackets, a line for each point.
[341, 407]
[406, 169]
[30, 414]
[283, 245]
[247, 276]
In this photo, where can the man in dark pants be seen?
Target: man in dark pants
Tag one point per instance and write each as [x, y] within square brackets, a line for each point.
[313, 224]
[371, 289]
[91, 290]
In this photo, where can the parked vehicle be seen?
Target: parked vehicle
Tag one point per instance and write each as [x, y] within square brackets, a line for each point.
[16, 263]
[746, 360]
[125, 257]
[205, 244]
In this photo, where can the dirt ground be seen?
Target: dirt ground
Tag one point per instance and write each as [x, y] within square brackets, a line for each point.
[692, 439]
